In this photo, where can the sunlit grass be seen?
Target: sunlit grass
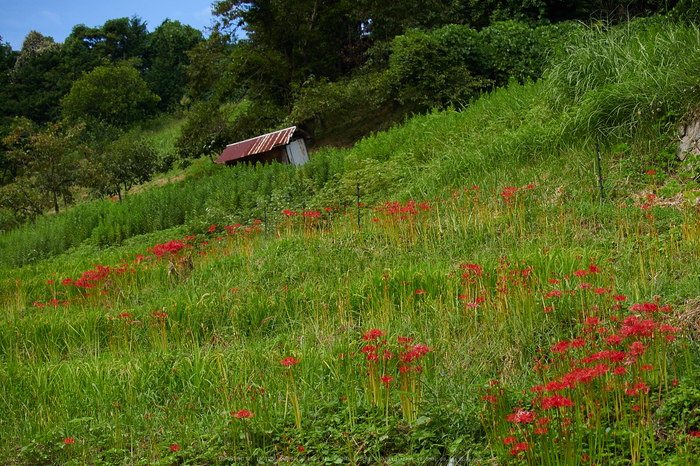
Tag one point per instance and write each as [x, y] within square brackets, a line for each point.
[168, 344]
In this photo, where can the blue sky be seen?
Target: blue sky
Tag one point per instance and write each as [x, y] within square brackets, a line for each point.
[56, 18]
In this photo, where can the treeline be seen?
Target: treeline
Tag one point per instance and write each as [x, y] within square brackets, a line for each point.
[342, 64]
[68, 111]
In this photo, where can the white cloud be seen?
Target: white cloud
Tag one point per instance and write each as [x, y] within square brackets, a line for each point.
[203, 14]
[53, 17]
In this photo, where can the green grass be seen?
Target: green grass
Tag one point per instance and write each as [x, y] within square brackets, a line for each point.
[162, 351]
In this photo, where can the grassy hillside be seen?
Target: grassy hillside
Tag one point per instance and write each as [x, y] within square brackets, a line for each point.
[482, 301]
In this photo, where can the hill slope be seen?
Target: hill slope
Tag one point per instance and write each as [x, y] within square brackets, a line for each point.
[507, 312]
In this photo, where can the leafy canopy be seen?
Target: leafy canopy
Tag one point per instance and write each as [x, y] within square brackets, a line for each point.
[114, 93]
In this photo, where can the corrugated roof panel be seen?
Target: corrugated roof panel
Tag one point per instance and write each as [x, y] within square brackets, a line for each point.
[256, 145]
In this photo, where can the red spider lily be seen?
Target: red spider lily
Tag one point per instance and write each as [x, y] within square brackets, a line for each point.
[509, 440]
[373, 335]
[387, 379]
[593, 269]
[637, 348]
[419, 291]
[508, 193]
[174, 447]
[289, 361]
[124, 315]
[651, 172]
[301, 449]
[555, 401]
[620, 371]
[521, 417]
[257, 222]
[641, 386]
[556, 293]
[69, 441]
[592, 321]
[619, 298]
[647, 308]
[474, 270]
[289, 213]
[169, 248]
[212, 229]
[580, 273]
[49, 282]
[312, 214]
[67, 281]
[614, 340]
[561, 347]
[553, 281]
[519, 447]
[90, 278]
[613, 356]
[242, 414]
[403, 340]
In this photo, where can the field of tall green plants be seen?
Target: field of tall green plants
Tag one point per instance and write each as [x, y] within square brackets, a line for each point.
[454, 291]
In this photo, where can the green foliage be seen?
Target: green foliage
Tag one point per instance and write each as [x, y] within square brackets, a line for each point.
[513, 49]
[432, 69]
[681, 408]
[115, 94]
[616, 82]
[48, 166]
[117, 39]
[126, 162]
[166, 54]
[35, 84]
[206, 131]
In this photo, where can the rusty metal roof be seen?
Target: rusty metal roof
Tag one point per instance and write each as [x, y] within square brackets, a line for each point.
[256, 145]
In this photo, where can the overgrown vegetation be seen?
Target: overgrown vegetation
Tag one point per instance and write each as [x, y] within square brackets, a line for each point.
[481, 303]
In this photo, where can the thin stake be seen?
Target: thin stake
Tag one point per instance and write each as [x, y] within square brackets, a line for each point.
[358, 206]
[600, 172]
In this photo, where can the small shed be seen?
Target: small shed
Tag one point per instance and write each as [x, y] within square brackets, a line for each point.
[284, 146]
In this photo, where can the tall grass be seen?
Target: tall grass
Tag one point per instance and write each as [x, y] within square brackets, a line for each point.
[616, 82]
[630, 84]
[165, 348]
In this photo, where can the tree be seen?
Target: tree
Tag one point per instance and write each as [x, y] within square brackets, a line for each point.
[166, 57]
[48, 166]
[35, 84]
[125, 163]
[118, 39]
[114, 93]
[292, 38]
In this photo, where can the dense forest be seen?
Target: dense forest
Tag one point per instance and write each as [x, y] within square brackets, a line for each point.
[69, 111]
